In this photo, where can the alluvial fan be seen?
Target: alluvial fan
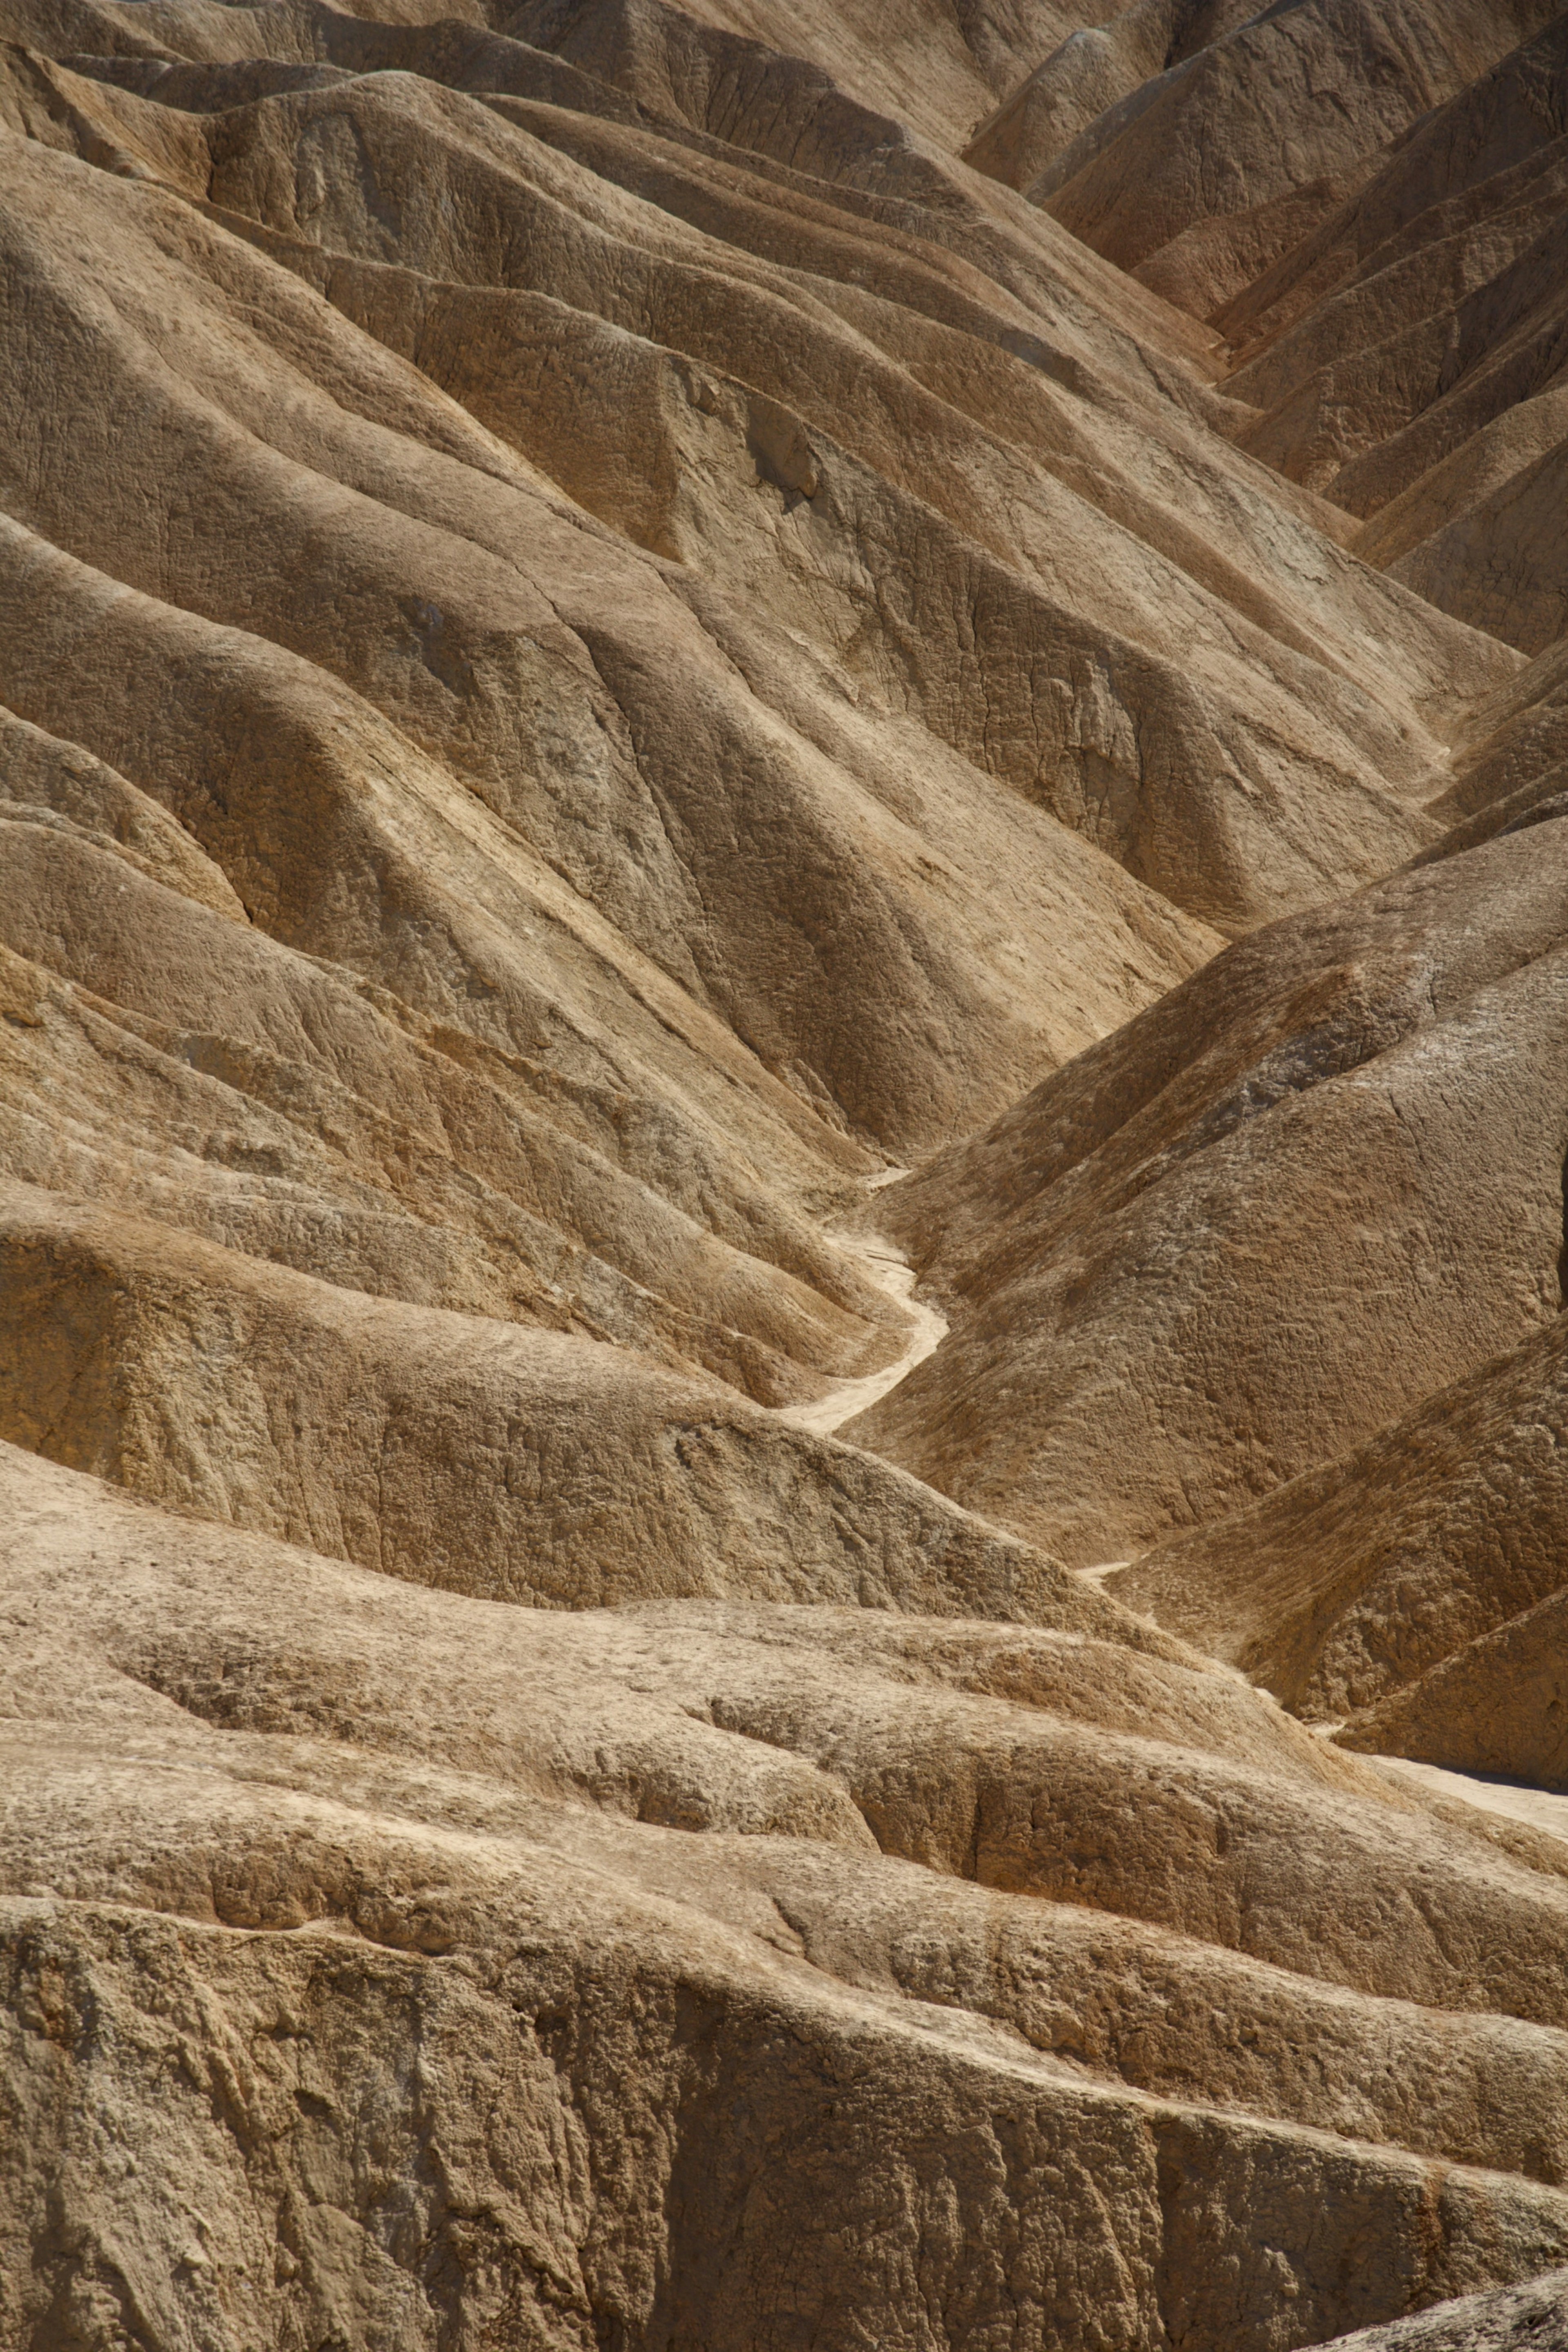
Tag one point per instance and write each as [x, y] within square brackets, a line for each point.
[664, 670]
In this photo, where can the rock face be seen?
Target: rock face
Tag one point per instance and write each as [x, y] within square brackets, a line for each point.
[388, 1960]
[646, 654]
[1221, 134]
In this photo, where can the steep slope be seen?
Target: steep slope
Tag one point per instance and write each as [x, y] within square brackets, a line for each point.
[551, 897]
[1499, 1706]
[929, 69]
[1409, 354]
[1185, 675]
[449, 1449]
[1524, 2319]
[1510, 764]
[1424, 1566]
[1224, 134]
[1256, 1224]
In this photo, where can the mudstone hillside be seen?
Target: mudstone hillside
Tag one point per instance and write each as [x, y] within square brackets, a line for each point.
[784, 1096]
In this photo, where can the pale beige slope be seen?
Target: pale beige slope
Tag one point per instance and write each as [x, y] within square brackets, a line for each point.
[788, 120]
[860, 1732]
[491, 961]
[1454, 527]
[1433, 374]
[491, 630]
[773, 110]
[962, 705]
[230, 1085]
[767, 105]
[512, 590]
[454, 1962]
[605, 638]
[455, 1450]
[1318, 1182]
[1358, 1580]
[923, 67]
[344, 838]
[1506, 2319]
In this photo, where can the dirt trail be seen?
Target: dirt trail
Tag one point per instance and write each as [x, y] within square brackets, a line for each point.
[885, 1264]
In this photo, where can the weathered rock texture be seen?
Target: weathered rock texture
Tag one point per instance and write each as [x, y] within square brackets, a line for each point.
[434, 1970]
[605, 647]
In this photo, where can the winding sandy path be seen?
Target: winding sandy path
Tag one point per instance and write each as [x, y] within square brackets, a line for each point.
[885, 1264]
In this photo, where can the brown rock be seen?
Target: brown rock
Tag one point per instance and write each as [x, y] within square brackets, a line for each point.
[1202, 177]
[1369, 208]
[295, 1821]
[1519, 2319]
[1499, 1704]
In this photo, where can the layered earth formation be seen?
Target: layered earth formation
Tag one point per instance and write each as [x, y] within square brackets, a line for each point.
[663, 670]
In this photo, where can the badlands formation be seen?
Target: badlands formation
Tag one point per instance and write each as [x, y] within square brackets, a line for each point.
[784, 1093]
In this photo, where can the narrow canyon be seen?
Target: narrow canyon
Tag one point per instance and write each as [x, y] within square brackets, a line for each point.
[783, 1106]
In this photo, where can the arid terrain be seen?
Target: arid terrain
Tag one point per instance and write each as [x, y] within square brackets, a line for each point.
[783, 1099]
